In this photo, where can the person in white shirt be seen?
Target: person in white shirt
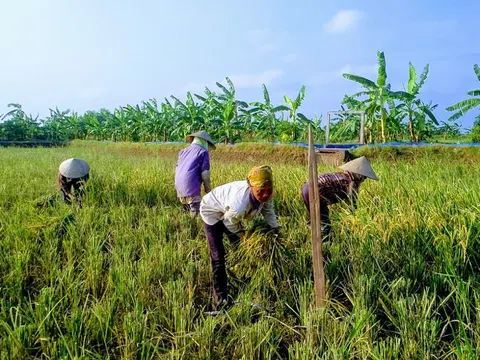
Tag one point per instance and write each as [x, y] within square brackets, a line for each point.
[222, 211]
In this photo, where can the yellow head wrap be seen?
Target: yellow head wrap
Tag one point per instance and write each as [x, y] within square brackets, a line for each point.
[260, 176]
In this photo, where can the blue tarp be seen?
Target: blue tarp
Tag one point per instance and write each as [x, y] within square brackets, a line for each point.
[387, 144]
[165, 143]
[344, 146]
[476, 144]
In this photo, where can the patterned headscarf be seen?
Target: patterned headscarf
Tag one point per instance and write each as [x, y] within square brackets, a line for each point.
[260, 176]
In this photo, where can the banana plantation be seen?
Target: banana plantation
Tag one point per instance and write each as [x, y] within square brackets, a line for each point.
[391, 115]
[220, 113]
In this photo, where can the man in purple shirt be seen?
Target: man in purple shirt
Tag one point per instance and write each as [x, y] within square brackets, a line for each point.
[193, 169]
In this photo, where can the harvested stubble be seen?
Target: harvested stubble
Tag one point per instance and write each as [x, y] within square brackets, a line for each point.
[128, 275]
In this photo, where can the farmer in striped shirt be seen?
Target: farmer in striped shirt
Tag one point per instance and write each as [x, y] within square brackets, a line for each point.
[193, 169]
[336, 187]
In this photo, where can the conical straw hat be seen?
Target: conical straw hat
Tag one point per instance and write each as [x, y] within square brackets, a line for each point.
[202, 135]
[360, 166]
[74, 168]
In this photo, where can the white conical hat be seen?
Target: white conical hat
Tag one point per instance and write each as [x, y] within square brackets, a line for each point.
[74, 168]
[360, 166]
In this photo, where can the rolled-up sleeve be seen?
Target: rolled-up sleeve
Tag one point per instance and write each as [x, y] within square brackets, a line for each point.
[268, 213]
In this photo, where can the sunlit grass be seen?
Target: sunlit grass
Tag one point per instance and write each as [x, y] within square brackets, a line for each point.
[127, 275]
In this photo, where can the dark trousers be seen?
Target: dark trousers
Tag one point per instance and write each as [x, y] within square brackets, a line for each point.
[76, 189]
[193, 208]
[214, 234]
[324, 211]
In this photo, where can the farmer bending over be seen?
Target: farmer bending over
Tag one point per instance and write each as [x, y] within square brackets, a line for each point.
[193, 169]
[222, 211]
[337, 186]
[72, 175]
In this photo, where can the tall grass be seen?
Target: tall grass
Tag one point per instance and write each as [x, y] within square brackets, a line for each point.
[127, 275]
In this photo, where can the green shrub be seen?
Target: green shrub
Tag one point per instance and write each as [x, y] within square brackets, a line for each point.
[476, 134]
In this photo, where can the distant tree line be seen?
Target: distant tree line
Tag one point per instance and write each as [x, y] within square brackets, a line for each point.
[391, 115]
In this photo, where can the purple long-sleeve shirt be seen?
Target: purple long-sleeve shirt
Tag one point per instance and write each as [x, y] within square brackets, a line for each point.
[192, 161]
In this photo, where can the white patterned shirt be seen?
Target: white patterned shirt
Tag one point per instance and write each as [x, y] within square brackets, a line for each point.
[232, 203]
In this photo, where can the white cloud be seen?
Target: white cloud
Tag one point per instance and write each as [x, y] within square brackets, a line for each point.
[253, 81]
[342, 21]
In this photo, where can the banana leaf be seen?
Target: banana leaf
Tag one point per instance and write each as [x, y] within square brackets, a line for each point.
[369, 84]
[382, 69]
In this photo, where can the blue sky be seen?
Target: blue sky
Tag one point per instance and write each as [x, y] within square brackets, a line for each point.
[90, 54]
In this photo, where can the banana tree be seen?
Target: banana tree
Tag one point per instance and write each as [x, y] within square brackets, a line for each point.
[136, 123]
[94, 125]
[229, 122]
[303, 124]
[76, 127]
[190, 117]
[168, 117]
[266, 120]
[293, 106]
[16, 112]
[212, 113]
[425, 120]
[378, 94]
[57, 124]
[346, 126]
[229, 109]
[419, 115]
[247, 122]
[449, 129]
[116, 125]
[20, 125]
[17, 125]
[153, 118]
[464, 106]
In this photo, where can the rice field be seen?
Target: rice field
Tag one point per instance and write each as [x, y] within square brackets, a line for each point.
[127, 275]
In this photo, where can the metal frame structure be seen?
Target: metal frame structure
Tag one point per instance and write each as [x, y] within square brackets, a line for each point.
[362, 124]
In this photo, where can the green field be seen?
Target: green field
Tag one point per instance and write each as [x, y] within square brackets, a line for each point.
[127, 276]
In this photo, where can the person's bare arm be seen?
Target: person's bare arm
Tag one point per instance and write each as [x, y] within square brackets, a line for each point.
[207, 186]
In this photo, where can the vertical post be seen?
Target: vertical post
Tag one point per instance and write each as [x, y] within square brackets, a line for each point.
[362, 127]
[327, 129]
[316, 230]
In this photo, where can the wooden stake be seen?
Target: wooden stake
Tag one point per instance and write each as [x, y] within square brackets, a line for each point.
[315, 224]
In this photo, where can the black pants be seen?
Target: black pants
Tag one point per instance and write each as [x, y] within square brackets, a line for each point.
[214, 234]
[324, 212]
[193, 208]
[75, 189]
